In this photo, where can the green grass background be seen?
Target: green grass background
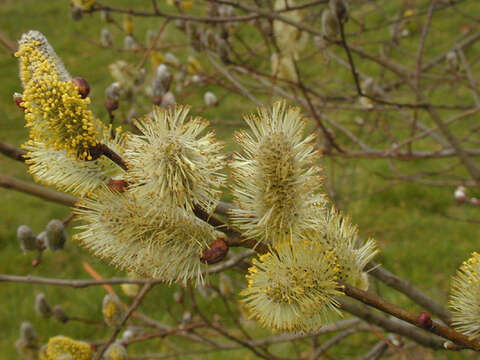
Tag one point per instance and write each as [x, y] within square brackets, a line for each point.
[416, 240]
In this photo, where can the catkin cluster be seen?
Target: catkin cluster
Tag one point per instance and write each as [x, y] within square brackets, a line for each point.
[143, 216]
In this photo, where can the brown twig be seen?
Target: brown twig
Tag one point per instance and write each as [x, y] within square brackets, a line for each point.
[436, 328]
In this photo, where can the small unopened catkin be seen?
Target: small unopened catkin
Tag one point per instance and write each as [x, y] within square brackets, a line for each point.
[116, 351]
[112, 310]
[26, 238]
[56, 236]
[42, 307]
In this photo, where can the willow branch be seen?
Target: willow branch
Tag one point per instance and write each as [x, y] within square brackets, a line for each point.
[12, 151]
[405, 287]
[10, 182]
[136, 303]
[435, 328]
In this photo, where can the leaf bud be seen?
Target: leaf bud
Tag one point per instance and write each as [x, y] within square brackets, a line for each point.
[216, 252]
[118, 185]
[424, 320]
[82, 85]
[111, 105]
[18, 99]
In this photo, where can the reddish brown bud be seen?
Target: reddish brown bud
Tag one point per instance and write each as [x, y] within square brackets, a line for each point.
[157, 100]
[424, 320]
[111, 105]
[35, 262]
[82, 85]
[118, 185]
[178, 297]
[215, 253]
[18, 99]
[96, 151]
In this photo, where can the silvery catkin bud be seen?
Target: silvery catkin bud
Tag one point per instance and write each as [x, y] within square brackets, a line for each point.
[42, 307]
[452, 60]
[112, 310]
[161, 83]
[163, 75]
[368, 86]
[27, 333]
[210, 99]
[76, 12]
[330, 25]
[180, 24]
[128, 335]
[168, 100]
[59, 314]
[106, 16]
[42, 240]
[106, 38]
[116, 351]
[113, 91]
[340, 9]
[222, 49]
[172, 59]
[208, 39]
[26, 238]
[129, 42]
[56, 236]
[186, 319]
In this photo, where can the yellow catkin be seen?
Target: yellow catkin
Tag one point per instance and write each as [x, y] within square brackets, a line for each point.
[55, 112]
[59, 345]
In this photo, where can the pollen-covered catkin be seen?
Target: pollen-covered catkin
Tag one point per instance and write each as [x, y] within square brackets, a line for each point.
[61, 346]
[293, 287]
[173, 163]
[277, 177]
[55, 111]
[464, 300]
[112, 310]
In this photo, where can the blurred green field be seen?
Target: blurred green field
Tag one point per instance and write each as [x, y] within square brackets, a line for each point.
[417, 241]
